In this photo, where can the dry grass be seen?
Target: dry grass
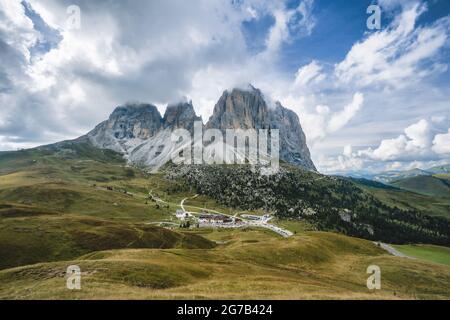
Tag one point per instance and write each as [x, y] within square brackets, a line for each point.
[253, 265]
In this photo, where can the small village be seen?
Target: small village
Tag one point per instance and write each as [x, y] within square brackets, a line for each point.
[219, 220]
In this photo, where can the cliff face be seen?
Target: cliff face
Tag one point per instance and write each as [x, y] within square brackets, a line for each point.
[144, 137]
[293, 147]
[240, 109]
[181, 115]
[246, 109]
[135, 121]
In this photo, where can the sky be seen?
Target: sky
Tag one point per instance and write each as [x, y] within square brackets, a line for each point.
[369, 100]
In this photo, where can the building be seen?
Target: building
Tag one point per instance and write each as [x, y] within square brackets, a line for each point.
[214, 219]
[182, 215]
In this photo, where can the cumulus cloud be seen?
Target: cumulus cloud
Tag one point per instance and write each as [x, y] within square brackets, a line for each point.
[290, 24]
[418, 147]
[414, 144]
[441, 143]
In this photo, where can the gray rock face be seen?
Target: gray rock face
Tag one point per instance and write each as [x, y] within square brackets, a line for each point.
[240, 109]
[144, 137]
[293, 146]
[181, 115]
[126, 123]
[248, 109]
[135, 121]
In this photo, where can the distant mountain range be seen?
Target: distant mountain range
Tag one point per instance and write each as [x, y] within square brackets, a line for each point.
[391, 176]
[434, 181]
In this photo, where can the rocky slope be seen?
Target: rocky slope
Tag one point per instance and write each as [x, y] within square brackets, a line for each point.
[144, 137]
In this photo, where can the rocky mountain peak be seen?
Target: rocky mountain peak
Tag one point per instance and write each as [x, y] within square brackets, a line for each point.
[144, 137]
[293, 147]
[180, 115]
[244, 109]
[248, 109]
[135, 121]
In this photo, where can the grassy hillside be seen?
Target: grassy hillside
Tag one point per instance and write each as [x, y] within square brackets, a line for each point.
[391, 176]
[445, 176]
[407, 200]
[70, 203]
[313, 265]
[28, 236]
[445, 169]
[426, 252]
[61, 201]
[428, 185]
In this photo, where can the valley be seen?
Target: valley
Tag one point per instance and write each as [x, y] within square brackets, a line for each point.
[73, 204]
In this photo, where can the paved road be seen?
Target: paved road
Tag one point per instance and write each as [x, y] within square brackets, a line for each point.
[392, 250]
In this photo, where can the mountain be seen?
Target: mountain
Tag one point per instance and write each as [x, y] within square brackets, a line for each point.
[432, 182]
[445, 169]
[180, 115]
[143, 136]
[428, 185]
[140, 133]
[247, 109]
[391, 176]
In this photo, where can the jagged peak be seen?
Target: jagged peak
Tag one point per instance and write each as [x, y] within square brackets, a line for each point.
[181, 106]
[244, 88]
[181, 114]
[243, 107]
[135, 108]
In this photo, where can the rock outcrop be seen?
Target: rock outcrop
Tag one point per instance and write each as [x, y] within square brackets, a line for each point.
[247, 109]
[181, 115]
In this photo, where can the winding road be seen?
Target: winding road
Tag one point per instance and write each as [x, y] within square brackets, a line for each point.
[262, 223]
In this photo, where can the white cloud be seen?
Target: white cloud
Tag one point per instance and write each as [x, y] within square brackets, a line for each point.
[441, 143]
[289, 24]
[398, 55]
[415, 143]
[322, 121]
[341, 118]
[308, 74]
[419, 134]
[416, 148]
[390, 149]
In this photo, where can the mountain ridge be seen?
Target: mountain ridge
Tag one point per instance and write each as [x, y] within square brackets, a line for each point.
[144, 136]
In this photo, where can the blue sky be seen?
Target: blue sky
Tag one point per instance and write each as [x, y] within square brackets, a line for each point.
[368, 100]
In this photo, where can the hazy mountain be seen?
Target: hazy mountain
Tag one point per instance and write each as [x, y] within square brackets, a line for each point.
[428, 185]
[440, 169]
[391, 176]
